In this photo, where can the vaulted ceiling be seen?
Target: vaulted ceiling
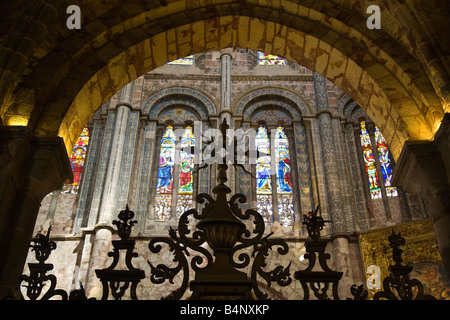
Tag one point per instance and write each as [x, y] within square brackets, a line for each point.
[53, 79]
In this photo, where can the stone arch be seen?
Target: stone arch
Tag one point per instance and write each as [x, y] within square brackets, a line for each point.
[293, 103]
[343, 103]
[193, 98]
[277, 114]
[402, 93]
[179, 114]
[351, 111]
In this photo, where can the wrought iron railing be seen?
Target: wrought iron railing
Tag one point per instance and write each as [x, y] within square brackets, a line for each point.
[218, 274]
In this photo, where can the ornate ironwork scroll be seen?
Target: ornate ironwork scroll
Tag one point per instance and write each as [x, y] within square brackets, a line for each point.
[217, 253]
[37, 281]
[221, 228]
[118, 281]
[420, 248]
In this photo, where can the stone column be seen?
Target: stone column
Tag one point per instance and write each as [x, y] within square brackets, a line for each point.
[153, 179]
[312, 130]
[137, 162]
[103, 230]
[86, 189]
[225, 85]
[356, 178]
[423, 167]
[302, 159]
[329, 155]
[108, 127]
[126, 165]
[109, 197]
[145, 177]
[343, 263]
[343, 172]
[30, 168]
[312, 166]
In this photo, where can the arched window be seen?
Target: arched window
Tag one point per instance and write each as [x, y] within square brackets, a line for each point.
[370, 162]
[277, 190]
[77, 161]
[169, 171]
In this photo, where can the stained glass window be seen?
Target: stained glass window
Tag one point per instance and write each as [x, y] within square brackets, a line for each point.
[186, 187]
[187, 61]
[283, 188]
[265, 59]
[369, 161]
[77, 162]
[165, 175]
[284, 178]
[385, 163]
[263, 180]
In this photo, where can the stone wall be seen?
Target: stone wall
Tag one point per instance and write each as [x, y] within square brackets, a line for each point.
[292, 92]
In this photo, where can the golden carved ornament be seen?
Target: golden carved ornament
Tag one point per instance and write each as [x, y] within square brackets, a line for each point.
[421, 246]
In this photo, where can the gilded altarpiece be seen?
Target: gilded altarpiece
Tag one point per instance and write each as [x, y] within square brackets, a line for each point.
[420, 251]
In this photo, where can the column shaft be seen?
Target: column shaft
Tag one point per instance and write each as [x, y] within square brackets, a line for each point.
[225, 98]
[112, 177]
[329, 155]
